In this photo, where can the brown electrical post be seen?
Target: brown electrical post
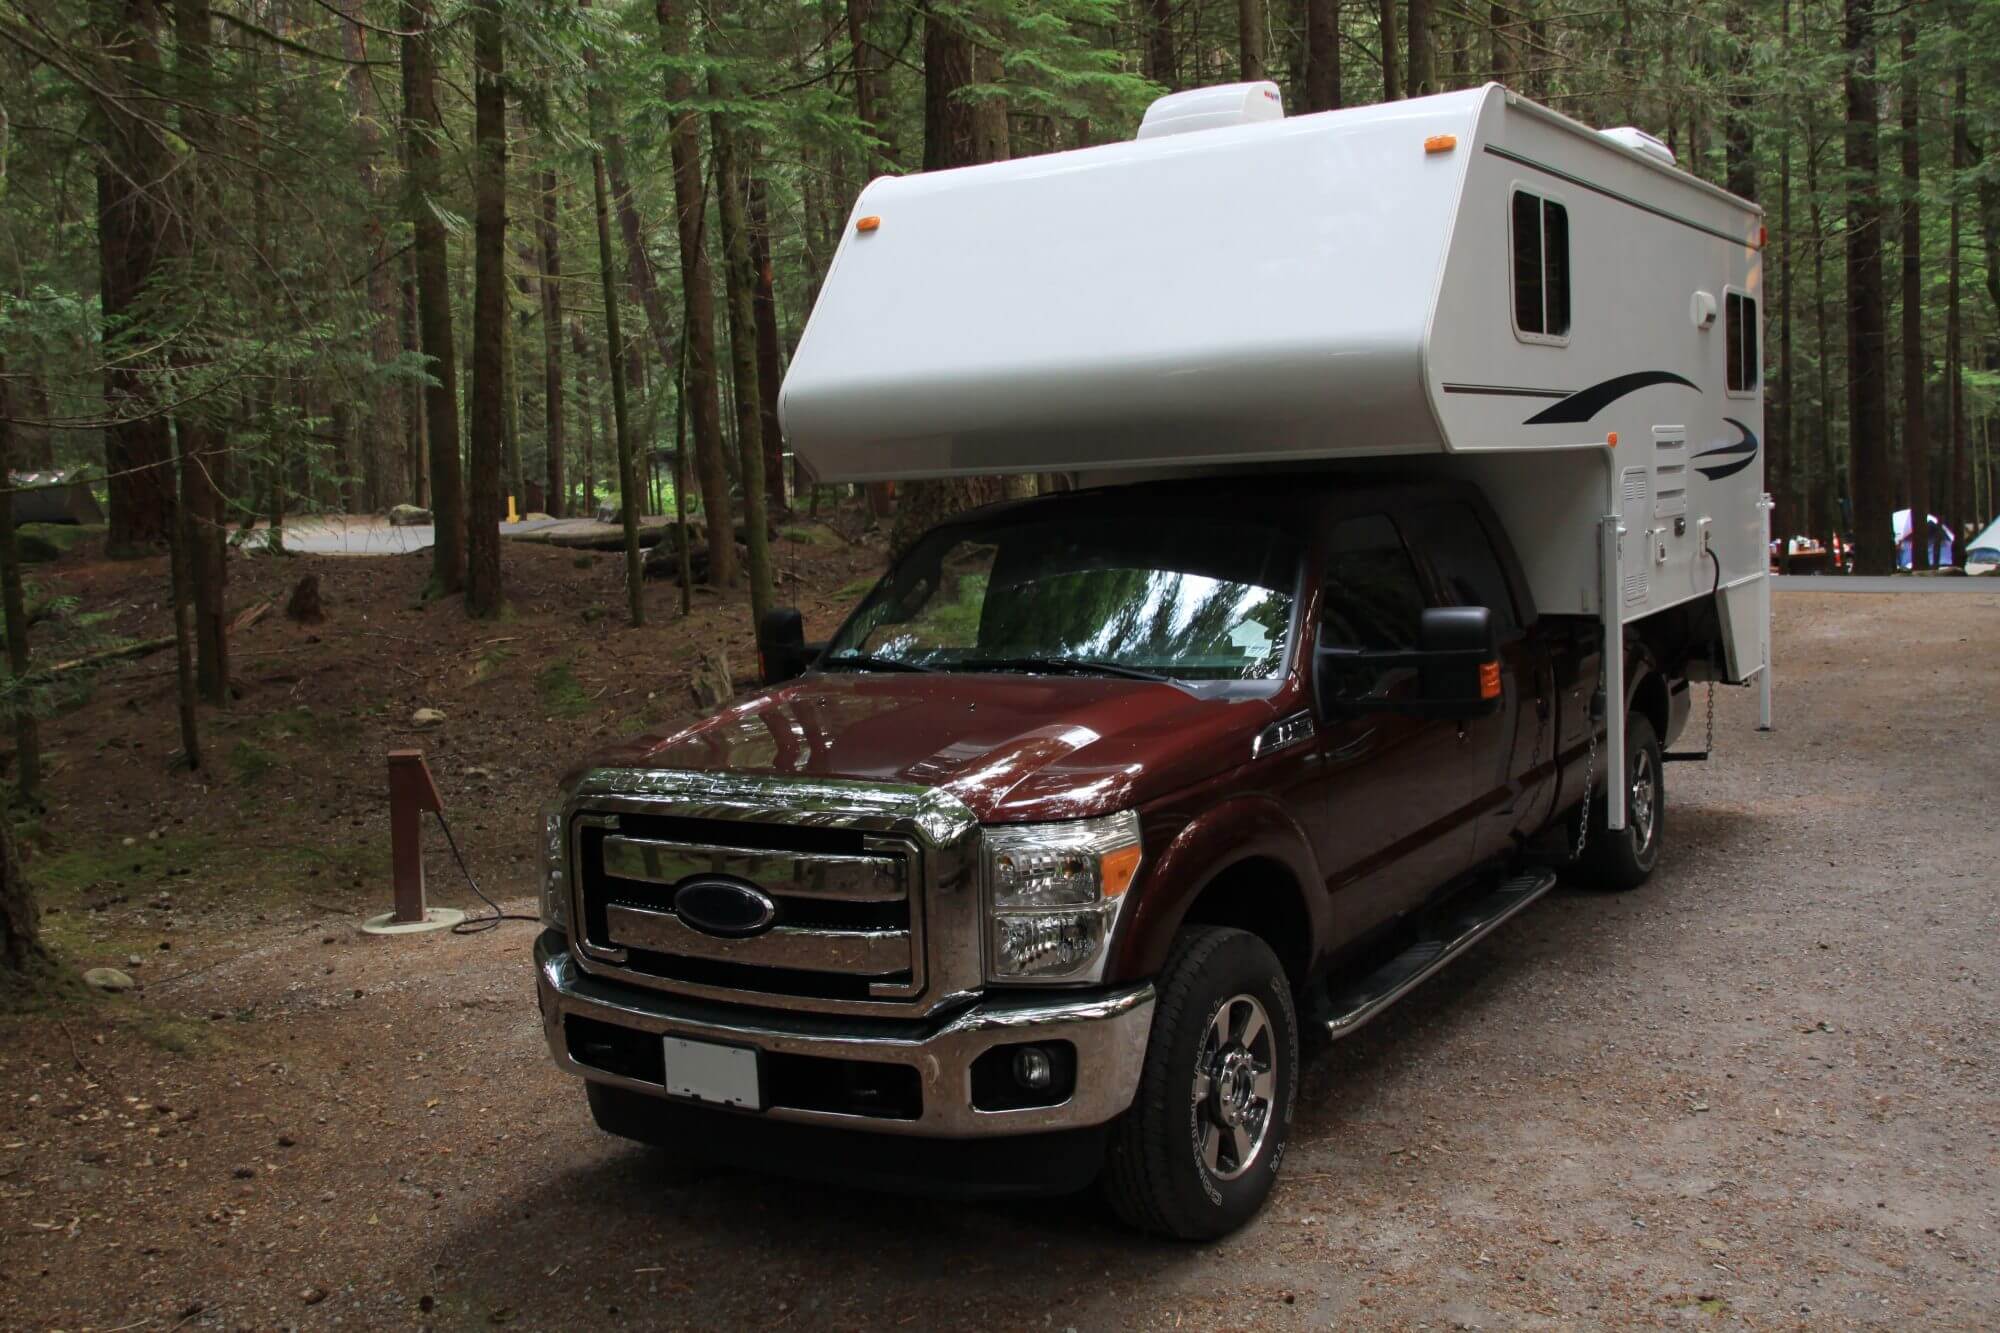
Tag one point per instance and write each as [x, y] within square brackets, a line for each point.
[411, 794]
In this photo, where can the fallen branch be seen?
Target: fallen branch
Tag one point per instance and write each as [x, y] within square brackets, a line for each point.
[143, 648]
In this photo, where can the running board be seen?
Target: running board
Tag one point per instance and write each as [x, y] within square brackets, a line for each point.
[1466, 925]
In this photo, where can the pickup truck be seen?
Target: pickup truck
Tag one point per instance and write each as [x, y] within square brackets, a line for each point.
[1038, 871]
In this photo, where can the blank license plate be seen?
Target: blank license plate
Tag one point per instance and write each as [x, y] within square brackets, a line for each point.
[725, 1075]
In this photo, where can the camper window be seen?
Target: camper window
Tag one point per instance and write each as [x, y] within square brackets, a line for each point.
[1740, 319]
[1541, 268]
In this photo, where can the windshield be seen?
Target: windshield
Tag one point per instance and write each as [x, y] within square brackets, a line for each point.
[1175, 596]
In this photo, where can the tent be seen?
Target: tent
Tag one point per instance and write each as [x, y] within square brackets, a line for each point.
[53, 497]
[1983, 552]
[1939, 536]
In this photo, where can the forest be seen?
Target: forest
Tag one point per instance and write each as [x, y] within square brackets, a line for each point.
[262, 258]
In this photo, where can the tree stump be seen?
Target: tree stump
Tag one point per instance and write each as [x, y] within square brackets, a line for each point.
[304, 605]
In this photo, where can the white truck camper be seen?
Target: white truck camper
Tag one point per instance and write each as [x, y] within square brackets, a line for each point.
[1468, 284]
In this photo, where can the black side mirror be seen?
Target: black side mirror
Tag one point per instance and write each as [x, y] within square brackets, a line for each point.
[781, 645]
[1457, 661]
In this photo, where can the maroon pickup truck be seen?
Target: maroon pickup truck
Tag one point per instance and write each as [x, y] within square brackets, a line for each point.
[1038, 871]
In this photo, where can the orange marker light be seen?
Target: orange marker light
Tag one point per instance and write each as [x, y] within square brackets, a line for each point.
[1440, 143]
[1489, 680]
[1611, 440]
[1763, 236]
[1116, 870]
[869, 223]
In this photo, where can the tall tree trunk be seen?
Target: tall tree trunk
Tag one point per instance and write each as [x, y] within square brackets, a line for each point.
[1825, 499]
[1391, 82]
[1423, 58]
[1916, 430]
[202, 455]
[1157, 60]
[950, 140]
[423, 125]
[382, 470]
[770, 363]
[27, 737]
[1958, 485]
[1784, 518]
[1322, 69]
[579, 346]
[739, 285]
[1738, 142]
[1499, 23]
[181, 590]
[489, 311]
[132, 186]
[1867, 385]
[416, 440]
[698, 292]
[21, 951]
[871, 79]
[628, 472]
[552, 341]
[1250, 41]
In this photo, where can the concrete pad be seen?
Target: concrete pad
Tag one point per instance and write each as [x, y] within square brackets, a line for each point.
[435, 918]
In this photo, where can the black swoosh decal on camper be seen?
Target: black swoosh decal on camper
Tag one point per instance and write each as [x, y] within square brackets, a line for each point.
[1730, 458]
[1587, 403]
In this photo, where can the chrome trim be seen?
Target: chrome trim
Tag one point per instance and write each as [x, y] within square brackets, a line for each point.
[1285, 732]
[933, 831]
[857, 879]
[1108, 1028]
[863, 953]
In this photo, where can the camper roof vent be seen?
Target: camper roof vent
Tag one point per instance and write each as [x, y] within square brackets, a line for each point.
[1641, 142]
[1212, 109]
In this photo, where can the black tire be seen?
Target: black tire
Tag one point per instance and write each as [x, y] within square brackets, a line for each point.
[1623, 860]
[1173, 1166]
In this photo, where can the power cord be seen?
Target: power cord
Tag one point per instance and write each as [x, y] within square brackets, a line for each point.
[478, 925]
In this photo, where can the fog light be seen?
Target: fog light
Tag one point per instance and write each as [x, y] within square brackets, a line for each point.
[1033, 1068]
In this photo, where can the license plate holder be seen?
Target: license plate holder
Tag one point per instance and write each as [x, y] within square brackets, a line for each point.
[706, 1071]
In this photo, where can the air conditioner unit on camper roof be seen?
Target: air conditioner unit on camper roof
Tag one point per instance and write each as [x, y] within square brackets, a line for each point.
[1640, 141]
[1212, 109]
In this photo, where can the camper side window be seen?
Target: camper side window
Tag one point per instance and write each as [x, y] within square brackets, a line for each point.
[1740, 321]
[1541, 266]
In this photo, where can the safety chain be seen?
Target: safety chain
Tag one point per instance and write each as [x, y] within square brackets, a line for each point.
[1708, 745]
[1583, 815]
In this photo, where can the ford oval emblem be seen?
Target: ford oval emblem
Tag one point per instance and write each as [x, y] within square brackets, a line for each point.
[716, 905]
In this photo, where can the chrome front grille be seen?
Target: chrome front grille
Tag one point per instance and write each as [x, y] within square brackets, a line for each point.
[848, 927]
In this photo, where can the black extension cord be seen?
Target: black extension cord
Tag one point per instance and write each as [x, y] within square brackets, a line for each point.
[478, 925]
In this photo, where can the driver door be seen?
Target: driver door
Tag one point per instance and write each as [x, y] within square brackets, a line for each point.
[1391, 829]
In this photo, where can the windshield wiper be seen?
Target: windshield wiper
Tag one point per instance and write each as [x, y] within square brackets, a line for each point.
[866, 662]
[1073, 666]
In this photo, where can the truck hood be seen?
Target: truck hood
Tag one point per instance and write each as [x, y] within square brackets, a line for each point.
[1012, 748]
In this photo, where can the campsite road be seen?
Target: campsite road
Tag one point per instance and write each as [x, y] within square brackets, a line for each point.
[1763, 1090]
[1879, 584]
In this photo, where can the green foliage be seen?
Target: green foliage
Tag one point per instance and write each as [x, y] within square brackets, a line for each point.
[561, 694]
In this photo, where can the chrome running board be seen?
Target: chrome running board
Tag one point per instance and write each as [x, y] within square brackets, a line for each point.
[1469, 922]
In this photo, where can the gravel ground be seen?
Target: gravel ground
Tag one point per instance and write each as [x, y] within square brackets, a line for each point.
[1759, 1091]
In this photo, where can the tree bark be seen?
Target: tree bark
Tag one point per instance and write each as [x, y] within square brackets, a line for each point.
[488, 440]
[1250, 41]
[1738, 133]
[1784, 516]
[1867, 398]
[871, 77]
[131, 223]
[1157, 61]
[552, 350]
[423, 125]
[628, 474]
[1958, 484]
[1423, 58]
[739, 284]
[1322, 69]
[21, 951]
[382, 469]
[1391, 62]
[579, 346]
[1499, 27]
[698, 292]
[1916, 430]
[770, 363]
[27, 733]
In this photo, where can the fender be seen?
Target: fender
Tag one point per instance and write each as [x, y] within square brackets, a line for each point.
[1252, 826]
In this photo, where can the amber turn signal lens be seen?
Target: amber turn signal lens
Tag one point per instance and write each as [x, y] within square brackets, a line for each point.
[869, 223]
[1489, 680]
[1611, 440]
[1116, 870]
[1440, 143]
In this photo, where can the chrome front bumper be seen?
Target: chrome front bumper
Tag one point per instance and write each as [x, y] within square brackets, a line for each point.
[1107, 1028]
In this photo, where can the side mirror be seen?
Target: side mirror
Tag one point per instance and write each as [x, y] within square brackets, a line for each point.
[781, 645]
[1457, 661]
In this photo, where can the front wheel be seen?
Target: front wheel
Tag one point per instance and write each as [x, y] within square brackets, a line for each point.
[1199, 1150]
[1624, 859]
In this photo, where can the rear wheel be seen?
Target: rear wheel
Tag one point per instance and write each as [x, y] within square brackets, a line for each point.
[1624, 859]
[1200, 1148]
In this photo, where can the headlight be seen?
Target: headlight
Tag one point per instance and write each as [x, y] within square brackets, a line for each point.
[1053, 895]
[555, 867]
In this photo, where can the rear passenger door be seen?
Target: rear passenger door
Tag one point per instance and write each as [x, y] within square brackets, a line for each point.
[1392, 833]
[1495, 782]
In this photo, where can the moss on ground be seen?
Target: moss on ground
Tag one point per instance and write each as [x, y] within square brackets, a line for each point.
[561, 693]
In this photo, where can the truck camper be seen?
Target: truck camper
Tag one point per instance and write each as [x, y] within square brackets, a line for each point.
[1380, 426]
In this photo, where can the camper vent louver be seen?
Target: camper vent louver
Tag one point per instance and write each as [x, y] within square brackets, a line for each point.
[1212, 109]
[1641, 142]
